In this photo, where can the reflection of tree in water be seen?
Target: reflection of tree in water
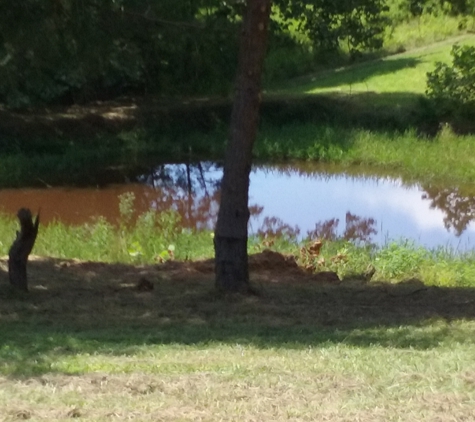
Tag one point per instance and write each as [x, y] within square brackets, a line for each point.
[458, 209]
[275, 227]
[192, 189]
[357, 229]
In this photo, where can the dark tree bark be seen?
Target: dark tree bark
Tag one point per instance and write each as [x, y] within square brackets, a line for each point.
[21, 248]
[230, 241]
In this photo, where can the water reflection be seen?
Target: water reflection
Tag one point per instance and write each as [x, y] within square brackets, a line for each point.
[292, 200]
[429, 215]
[357, 229]
[190, 189]
[458, 209]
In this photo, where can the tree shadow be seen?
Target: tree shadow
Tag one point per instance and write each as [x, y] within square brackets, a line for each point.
[350, 75]
[46, 129]
[75, 308]
[398, 111]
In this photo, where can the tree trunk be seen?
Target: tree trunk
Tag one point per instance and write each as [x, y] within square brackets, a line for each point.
[230, 241]
[21, 248]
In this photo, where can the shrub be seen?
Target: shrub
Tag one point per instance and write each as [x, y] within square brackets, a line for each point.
[451, 89]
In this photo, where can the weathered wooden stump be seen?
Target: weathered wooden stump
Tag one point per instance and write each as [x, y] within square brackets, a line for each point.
[21, 248]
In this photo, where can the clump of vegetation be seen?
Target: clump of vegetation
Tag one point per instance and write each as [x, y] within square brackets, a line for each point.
[151, 237]
[451, 88]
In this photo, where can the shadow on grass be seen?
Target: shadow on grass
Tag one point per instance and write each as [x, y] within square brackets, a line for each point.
[378, 112]
[352, 74]
[78, 308]
[52, 130]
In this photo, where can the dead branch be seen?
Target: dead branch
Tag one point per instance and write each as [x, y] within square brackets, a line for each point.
[21, 248]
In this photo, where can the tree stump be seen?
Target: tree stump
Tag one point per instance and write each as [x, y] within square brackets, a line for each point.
[21, 248]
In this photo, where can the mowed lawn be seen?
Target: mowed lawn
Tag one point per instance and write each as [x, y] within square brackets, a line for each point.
[399, 73]
[87, 342]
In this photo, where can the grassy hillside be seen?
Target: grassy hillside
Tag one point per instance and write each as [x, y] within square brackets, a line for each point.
[399, 73]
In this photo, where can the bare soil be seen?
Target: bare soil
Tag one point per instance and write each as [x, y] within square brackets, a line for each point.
[185, 291]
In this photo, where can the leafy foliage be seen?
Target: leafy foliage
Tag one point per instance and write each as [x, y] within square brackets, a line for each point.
[327, 23]
[79, 50]
[76, 50]
[452, 88]
[451, 7]
[73, 51]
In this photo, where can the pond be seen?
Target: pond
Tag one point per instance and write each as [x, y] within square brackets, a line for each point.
[295, 200]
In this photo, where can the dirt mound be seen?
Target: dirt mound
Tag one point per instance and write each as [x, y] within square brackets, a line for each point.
[269, 260]
[267, 266]
[266, 260]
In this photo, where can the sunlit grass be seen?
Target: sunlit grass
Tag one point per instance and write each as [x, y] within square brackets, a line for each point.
[425, 30]
[448, 158]
[288, 61]
[337, 383]
[404, 72]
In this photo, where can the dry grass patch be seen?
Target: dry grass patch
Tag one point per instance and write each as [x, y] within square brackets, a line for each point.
[275, 394]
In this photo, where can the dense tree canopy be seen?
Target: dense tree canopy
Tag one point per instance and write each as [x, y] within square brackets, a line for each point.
[79, 50]
[327, 23]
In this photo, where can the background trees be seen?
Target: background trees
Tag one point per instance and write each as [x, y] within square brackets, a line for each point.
[66, 51]
[79, 50]
[357, 24]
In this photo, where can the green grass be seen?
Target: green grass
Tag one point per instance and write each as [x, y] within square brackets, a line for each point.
[396, 261]
[152, 237]
[446, 159]
[405, 72]
[287, 61]
[425, 30]
[336, 382]
[85, 343]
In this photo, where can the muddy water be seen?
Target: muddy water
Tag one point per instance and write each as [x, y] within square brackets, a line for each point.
[295, 200]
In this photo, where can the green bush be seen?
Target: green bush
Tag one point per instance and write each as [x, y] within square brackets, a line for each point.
[451, 89]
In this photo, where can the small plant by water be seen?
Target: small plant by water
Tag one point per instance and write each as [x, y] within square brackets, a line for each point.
[151, 237]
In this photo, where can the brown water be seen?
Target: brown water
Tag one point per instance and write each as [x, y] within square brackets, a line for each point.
[78, 206]
[296, 200]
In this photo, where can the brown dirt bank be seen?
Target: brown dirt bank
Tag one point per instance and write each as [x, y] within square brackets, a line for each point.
[183, 291]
